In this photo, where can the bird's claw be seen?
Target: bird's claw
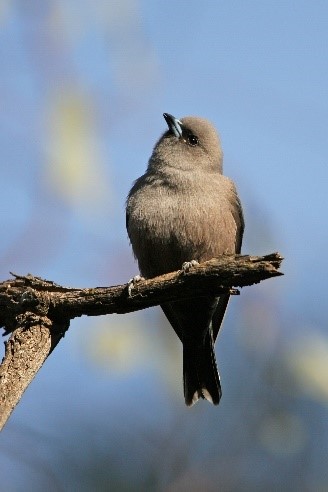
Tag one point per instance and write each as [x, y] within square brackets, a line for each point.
[132, 282]
[188, 265]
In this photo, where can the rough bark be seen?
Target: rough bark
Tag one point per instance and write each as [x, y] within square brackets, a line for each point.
[38, 312]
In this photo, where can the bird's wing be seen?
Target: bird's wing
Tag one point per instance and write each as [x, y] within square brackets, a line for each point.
[238, 216]
[221, 308]
[219, 314]
[173, 319]
[191, 317]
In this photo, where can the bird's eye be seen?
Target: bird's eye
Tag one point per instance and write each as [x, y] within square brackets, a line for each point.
[192, 140]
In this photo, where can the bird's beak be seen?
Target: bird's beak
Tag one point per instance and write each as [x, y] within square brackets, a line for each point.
[174, 124]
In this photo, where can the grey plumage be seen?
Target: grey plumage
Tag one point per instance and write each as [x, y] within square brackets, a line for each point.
[184, 209]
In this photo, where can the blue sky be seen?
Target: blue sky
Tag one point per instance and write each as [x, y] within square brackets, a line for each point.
[83, 88]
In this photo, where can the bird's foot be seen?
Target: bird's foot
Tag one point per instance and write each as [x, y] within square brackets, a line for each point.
[188, 265]
[234, 292]
[132, 282]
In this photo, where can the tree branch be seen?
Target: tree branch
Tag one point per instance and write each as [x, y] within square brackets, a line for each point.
[38, 311]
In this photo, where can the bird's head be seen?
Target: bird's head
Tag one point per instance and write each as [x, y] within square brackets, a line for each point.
[190, 144]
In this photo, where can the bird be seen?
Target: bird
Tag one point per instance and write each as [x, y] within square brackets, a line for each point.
[183, 210]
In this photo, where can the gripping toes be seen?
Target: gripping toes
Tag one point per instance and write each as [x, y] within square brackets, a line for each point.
[188, 265]
[132, 282]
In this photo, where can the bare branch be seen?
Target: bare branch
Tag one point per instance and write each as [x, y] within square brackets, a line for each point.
[38, 311]
[25, 353]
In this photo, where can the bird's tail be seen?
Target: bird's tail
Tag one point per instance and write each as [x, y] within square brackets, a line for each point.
[200, 374]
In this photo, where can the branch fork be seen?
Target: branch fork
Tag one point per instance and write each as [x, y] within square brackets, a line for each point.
[37, 312]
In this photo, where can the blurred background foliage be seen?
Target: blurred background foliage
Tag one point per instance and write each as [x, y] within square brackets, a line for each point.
[83, 87]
